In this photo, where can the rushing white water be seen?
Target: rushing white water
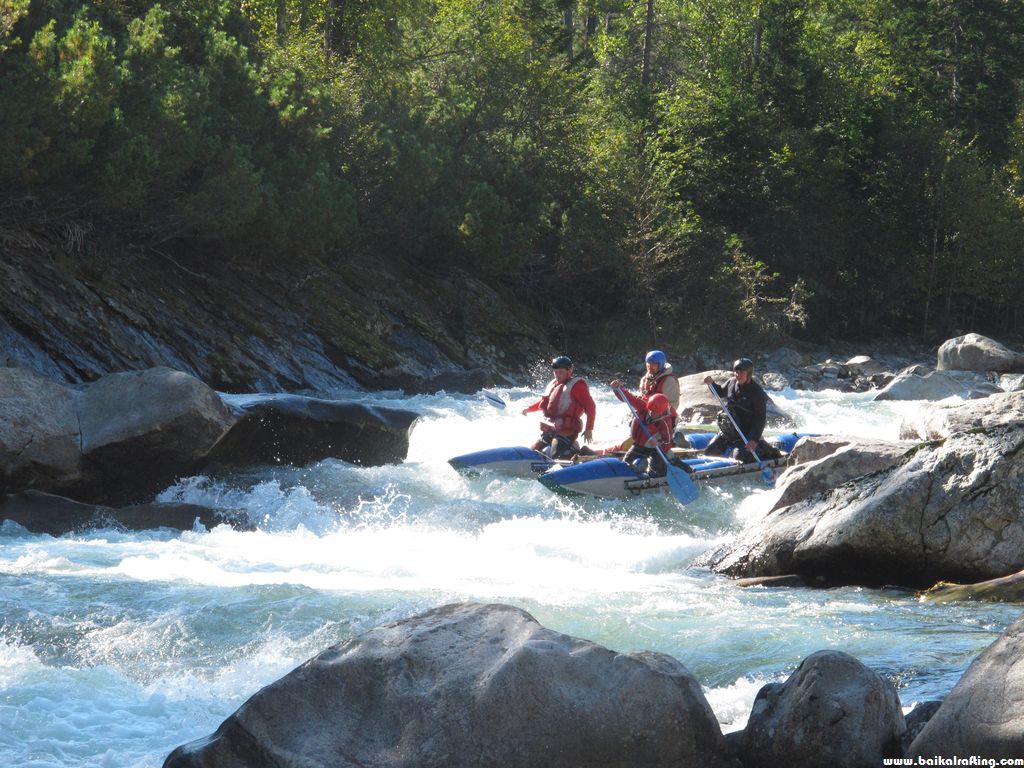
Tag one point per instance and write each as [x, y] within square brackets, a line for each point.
[116, 647]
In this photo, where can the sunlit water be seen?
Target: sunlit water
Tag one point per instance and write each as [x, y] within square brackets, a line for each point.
[116, 647]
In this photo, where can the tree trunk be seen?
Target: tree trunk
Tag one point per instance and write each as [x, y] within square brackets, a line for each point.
[569, 31]
[282, 21]
[645, 73]
[335, 32]
[931, 278]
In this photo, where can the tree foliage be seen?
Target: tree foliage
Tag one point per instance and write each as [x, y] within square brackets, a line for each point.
[763, 166]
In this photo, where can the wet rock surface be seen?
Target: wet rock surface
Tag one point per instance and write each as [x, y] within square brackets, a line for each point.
[946, 511]
[470, 685]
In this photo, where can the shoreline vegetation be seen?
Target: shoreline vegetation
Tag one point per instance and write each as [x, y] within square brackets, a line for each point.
[485, 176]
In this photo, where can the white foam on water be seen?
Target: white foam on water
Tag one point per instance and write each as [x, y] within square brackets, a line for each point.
[732, 703]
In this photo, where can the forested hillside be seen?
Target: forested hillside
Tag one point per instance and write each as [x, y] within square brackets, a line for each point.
[841, 168]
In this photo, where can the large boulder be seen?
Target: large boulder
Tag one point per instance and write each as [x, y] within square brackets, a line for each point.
[40, 442]
[948, 511]
[983, 715]
[823, 462]
[123, 436]
[697, 404]
[469, 685]
[940, 420]
[144, 429]
[973, 352]
[291, 429]
[831, 711]
[937, 385]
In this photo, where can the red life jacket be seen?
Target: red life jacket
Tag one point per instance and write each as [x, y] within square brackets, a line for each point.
[561, 409]
[656, 384]
[659, 429]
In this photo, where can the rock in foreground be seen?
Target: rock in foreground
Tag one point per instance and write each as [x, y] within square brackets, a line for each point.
[469, 685]
[831, 711]
[984, 713]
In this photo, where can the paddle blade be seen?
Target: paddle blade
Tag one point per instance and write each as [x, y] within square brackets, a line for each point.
[492, 399]
[682, 487]
[768, 476]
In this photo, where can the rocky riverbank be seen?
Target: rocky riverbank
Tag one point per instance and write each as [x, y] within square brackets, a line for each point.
[74, 312]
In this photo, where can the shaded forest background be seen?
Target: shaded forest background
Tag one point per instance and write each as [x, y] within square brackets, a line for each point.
[771, 168]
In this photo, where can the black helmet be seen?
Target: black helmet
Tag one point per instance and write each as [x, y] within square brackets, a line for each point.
[743, 364]
[561, 362]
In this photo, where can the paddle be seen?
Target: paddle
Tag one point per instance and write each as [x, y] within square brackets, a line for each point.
[679, 480]
[766, 472]
[493, 399]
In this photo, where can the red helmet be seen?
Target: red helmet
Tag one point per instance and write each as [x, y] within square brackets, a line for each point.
[657, 404]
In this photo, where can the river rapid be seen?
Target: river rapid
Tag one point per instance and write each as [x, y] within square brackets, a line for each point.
[116, 647]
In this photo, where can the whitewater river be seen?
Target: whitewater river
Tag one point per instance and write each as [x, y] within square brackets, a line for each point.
[116, 647]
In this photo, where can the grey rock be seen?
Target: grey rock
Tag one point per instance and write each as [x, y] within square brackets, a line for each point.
[40, 440]
[697, 404]
[973, 352]
[144, 429]
[114, 440]
[469, 685]
[947, 511]
[1011, 382]
[917, 719]
[937, 385]
[782, 359]
[74, 317]
[774, 382]
[835, 461]
[984, 713]
[831, 711]
[297, 430]
[863, 365]
[940, 420]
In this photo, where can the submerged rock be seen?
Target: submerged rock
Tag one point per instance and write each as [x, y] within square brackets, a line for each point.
[47, 513]
[984, 713]
[831, 711]
[469, 685]
[1004, 589]
[952, 510]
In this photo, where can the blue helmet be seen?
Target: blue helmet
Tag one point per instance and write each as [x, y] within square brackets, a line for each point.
[561, 362]
[656, 356]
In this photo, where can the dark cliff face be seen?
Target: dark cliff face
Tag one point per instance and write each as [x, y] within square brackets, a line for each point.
[74, 312]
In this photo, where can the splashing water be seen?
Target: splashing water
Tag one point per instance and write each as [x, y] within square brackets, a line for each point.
[115, 647]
